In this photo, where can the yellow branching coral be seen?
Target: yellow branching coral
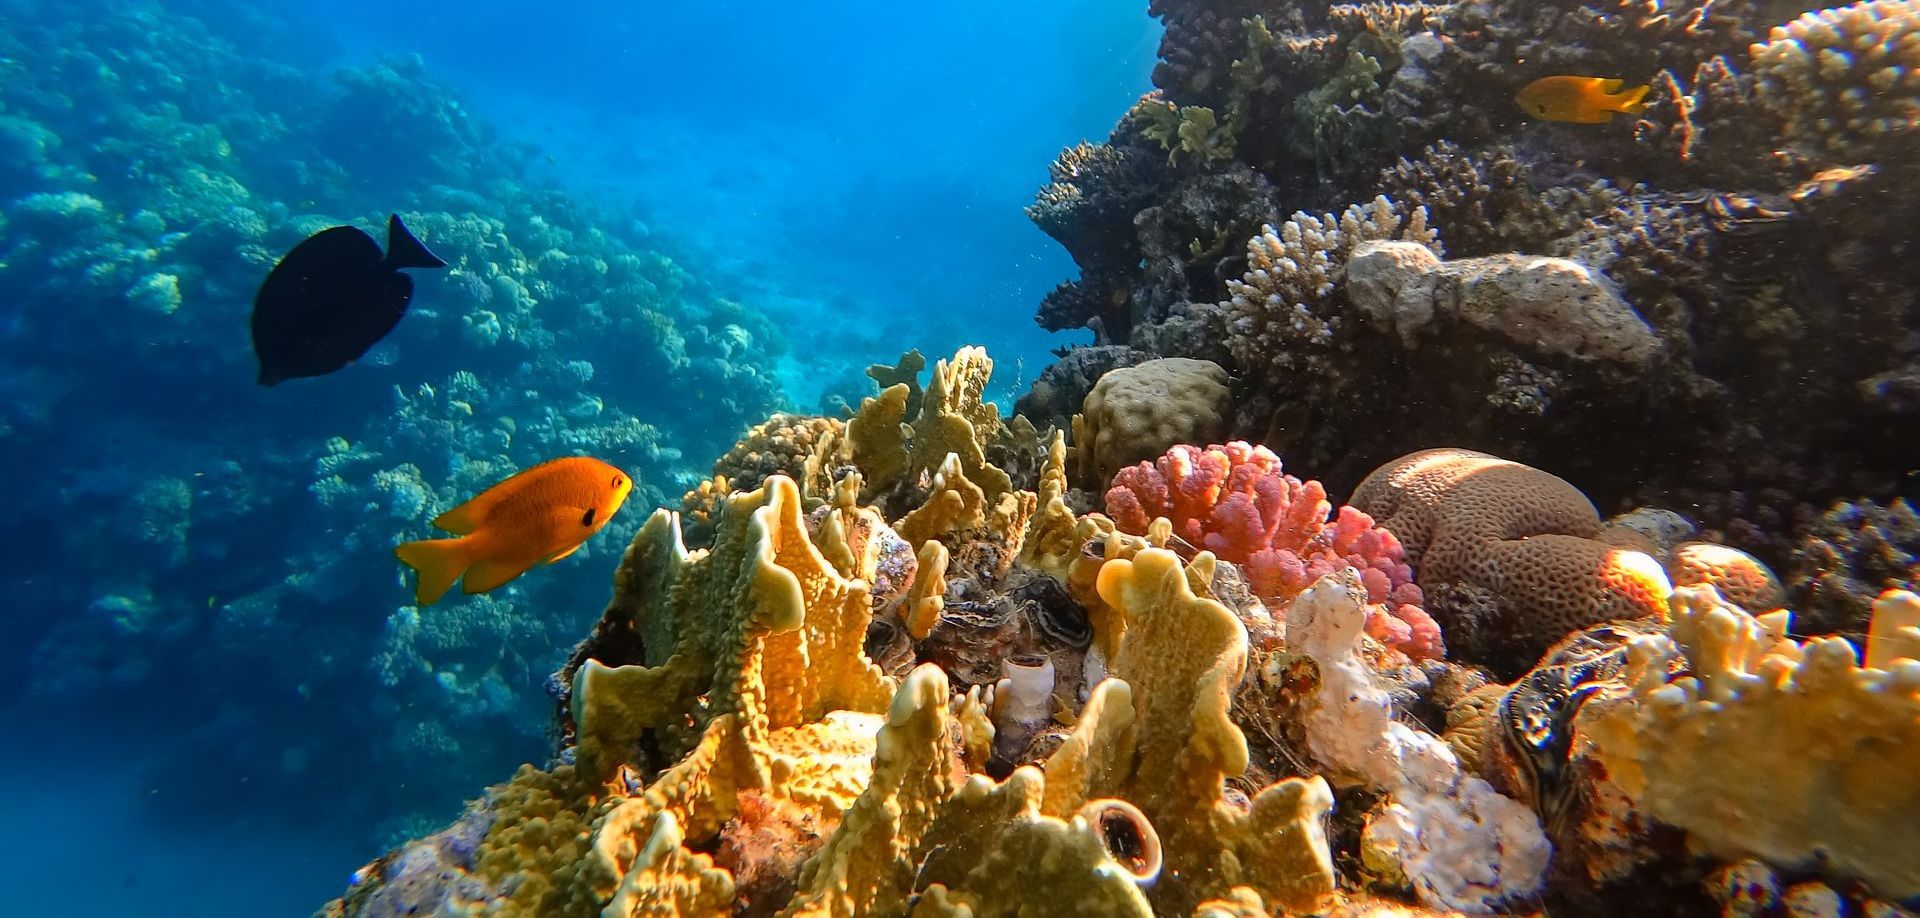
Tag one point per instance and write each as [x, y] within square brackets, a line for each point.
[667, 879]
[992, 848]
[1791, 752]
[955, 504]
[953, 419]
[866, 867]
[1163, 740]
[762, 625]
[1052, 539]
[927, 598]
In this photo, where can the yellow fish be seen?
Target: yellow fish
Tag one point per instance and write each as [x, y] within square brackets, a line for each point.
[1581, 100]
[538, 516]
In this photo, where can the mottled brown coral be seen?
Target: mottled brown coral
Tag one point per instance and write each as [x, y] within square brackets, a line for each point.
[1520, 533]
[1137, 413]
[785, 444]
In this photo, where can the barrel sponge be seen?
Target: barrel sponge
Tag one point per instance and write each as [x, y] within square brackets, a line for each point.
[1136, 413]
[1525, 536]
[1845, 82]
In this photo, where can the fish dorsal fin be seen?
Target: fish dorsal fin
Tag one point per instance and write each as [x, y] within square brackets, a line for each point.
[1608, 86]
[467, 517]
[405, 251]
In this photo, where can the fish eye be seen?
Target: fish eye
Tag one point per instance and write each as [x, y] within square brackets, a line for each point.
[616, 481]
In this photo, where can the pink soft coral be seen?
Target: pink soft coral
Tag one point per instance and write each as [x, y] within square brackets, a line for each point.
[1234, 501]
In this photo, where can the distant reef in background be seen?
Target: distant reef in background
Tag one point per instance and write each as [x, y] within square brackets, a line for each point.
[210, 558]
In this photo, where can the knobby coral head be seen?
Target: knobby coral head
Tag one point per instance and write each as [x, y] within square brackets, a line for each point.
[1235, 501]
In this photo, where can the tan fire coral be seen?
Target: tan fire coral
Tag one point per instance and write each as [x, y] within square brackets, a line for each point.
[1523, 535]
[1792, 752]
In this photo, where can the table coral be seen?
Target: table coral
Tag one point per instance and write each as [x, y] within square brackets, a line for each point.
[1824, 747]
[1525, 536]
[1234, 501]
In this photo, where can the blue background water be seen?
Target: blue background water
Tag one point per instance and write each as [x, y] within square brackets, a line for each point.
[213, 685]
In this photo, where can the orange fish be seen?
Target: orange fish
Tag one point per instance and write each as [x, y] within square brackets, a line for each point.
[1581, 100]
[538, 516]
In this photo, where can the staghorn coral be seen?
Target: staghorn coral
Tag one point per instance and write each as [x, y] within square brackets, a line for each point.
[1234, 501]
[1523, 535]
[1811, 732]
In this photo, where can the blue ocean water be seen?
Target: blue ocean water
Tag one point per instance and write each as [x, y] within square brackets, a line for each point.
[662, 224]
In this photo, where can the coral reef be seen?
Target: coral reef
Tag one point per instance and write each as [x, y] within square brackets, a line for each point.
[1043, 711]
[1135, 413]
[1749, 217]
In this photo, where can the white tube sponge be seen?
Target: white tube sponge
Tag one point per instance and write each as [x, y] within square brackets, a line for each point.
[1461, 844]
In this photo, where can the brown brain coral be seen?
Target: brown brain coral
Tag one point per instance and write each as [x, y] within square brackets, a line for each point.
[1136, 413]
[1521, 534]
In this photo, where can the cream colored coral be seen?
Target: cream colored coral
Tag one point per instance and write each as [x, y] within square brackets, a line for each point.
[1739, 577]
[1137, 413]
[1461, 844]
[1893, 632]
[1791, 752]
[1285, 298]
[1844, 80]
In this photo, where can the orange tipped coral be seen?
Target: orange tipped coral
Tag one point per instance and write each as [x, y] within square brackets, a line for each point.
[1520, 534]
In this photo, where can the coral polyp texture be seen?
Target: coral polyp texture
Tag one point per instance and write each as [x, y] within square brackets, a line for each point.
[1523, 536]
[1235, 501]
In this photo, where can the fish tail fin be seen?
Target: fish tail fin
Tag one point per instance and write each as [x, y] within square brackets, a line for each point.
[405, 251]
[439, 562]
[1633, 101]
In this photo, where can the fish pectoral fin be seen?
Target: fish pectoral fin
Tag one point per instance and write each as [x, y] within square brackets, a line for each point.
[561, 554]
[491, 574]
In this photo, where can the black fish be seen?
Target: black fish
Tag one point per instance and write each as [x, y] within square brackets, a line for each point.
[333, 297]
